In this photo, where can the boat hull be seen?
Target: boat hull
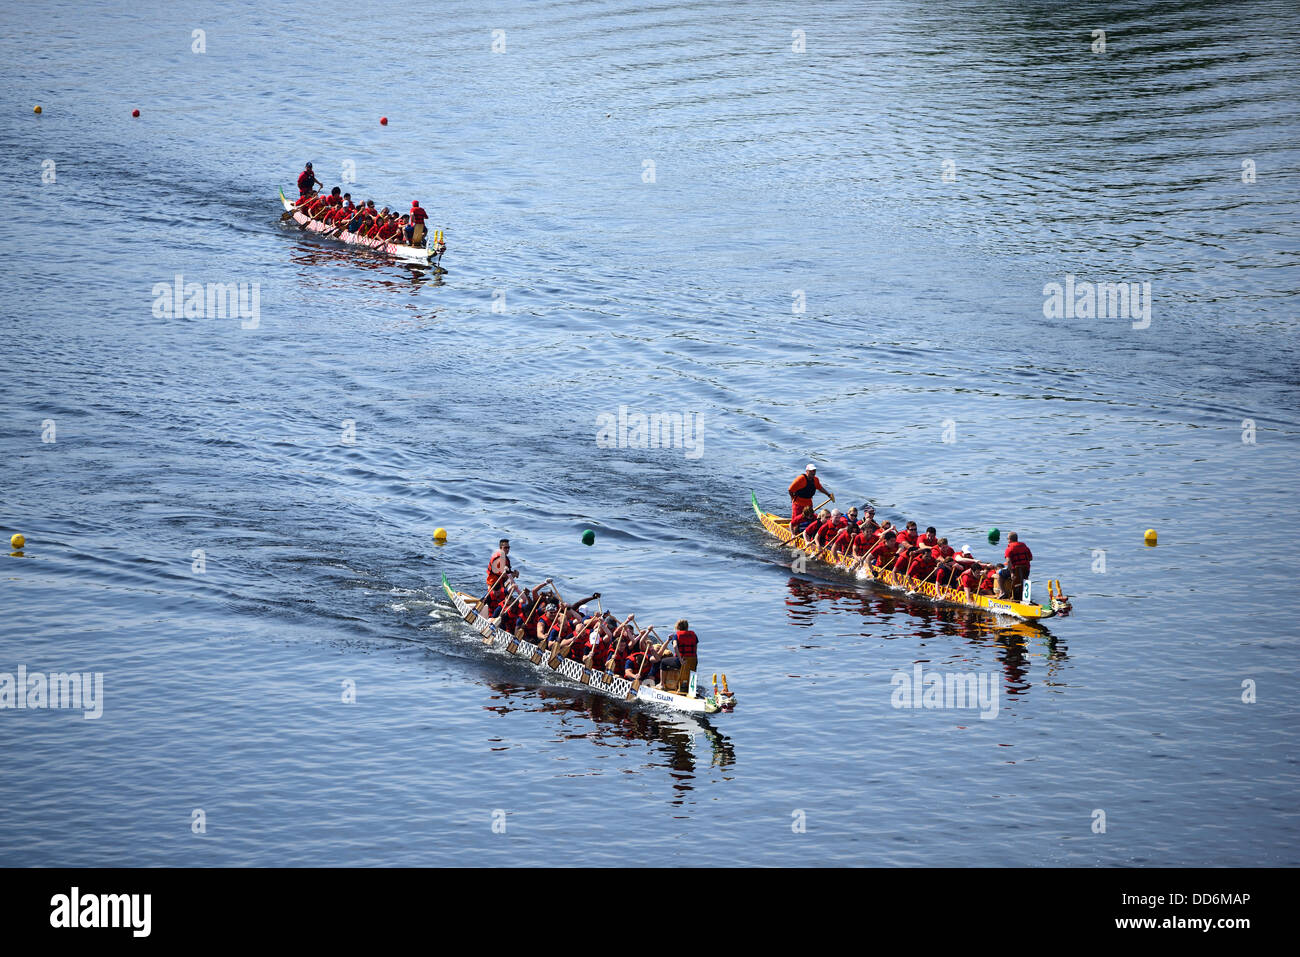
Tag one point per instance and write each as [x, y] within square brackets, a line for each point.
[575, 671]
[419, 254]
[780, 528]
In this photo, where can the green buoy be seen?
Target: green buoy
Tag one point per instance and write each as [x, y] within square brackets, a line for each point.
[589, 537]
[994, 535]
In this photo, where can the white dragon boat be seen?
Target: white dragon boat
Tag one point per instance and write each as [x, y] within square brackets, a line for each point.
[427, 255]
[603, 682]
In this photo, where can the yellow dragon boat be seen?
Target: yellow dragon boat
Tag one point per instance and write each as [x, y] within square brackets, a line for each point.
[1025, 610]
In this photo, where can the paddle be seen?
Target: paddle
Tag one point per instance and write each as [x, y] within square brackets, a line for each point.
[505, 608]
[536, 606]
[618, 646]
[854, 567]
[479, 602]
[645, 657]
[554, 663]
[543, 642]
[591, 655]
[926, 579]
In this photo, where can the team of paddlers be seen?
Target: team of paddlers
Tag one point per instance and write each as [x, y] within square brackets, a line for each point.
[336, 209]
[923, 557]
[598, 640]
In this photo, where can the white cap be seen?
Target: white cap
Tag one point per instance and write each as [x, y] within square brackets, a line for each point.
[811, 468]
[965, 549]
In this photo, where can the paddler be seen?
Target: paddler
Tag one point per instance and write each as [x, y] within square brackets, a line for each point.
[688, 647]
[307, 183]
[498, 566]
[418, 216]
[806, 518]
[869, 524]
[1018, 557]
[802, 490]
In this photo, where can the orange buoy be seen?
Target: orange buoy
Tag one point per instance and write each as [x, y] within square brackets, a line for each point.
[36, 108]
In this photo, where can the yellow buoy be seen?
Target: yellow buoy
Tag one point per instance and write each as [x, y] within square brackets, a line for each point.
[17, 540]
[439, 534]
[36, 108]
[1150, 536]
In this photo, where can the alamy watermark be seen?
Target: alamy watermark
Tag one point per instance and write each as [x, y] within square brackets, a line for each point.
[656, 430]
[215, 300]
[1100, 300]
[954, 689]
[81, 691]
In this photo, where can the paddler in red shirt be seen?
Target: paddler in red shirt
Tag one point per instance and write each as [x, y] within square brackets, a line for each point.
[869, 524]
[498, 567]
[885, 554]
[802, 490]
[1018, 557]
[307, 183]
[418, 216]
[806, 518]
[843, 539]
[861, 543]
[688, 647]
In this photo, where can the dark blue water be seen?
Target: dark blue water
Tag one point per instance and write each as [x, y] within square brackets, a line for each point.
[780, 178]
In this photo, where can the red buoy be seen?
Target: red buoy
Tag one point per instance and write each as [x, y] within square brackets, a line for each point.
[135, 112]
[383, 121]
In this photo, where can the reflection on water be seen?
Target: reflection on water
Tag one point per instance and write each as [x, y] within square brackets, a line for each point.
[1015, 643]
[680, 739]
[325, 252]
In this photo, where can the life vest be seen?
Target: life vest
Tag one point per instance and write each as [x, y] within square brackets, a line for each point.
[492, 579]
[687, 644]
[808, 490]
